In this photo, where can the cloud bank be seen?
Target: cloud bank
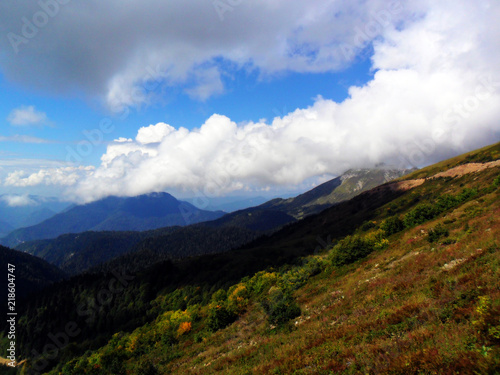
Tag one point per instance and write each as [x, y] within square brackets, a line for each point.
[119, 50]
[435, 92]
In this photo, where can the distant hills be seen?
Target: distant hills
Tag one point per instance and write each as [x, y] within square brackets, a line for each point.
[80, 251]
[5, 228]
[227, 204]
[140, 213]
[17, 211]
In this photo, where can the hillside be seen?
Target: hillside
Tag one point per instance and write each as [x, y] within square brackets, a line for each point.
[76, 253]
[115, 214]
[32, 274]
[344, 187]
[401, 279]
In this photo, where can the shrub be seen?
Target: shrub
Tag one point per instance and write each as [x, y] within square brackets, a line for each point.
[349, 250]
[446, 202]
[377, 240]
[145, 368]
[313, 265]
[437, 232]
[199, 337]
[392, 225]
[280, 307]
[293, 279]
[466, 194]
[184, 327]
[238, 298]
[219, 316]
[420, 214]
[262, 281]
[219, 296]
[367, 225]
[496, 182]
[112, 361]
[487, 322]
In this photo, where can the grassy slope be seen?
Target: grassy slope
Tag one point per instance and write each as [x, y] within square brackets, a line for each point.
[414, 307]
[407, 309]
[403, 310]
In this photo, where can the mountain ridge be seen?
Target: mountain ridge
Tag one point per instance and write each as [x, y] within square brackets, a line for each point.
[386, 282]
[344, 187]
[149, 211]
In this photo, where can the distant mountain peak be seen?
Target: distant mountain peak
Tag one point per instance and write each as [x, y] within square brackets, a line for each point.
[139, 213]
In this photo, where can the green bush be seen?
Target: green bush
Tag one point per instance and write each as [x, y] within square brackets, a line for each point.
[367, 225]
[280, 307]
[446, 202]
[496, 182]
[313, 266]
[466, 194]
[392, 225]
[349, 250]
[219, 296]
[425, 211]
[145, 368]
[437, 232]
[112, 361]
[420, 214]
[219, 316]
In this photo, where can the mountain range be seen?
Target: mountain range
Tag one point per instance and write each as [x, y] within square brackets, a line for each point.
[81, 251]
[17, 211]
[400, 279]
[140, 213]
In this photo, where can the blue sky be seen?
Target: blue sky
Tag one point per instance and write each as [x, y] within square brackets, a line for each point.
[219, 98]
[245, 98]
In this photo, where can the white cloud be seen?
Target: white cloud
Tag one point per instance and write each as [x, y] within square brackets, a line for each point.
[153, 133]
[435, 93]
[208, 83]
[65, 176]
[27, 116]
[23, 139]
[18, 200]
[186, 44]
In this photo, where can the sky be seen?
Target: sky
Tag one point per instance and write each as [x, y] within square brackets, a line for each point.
[206, 98]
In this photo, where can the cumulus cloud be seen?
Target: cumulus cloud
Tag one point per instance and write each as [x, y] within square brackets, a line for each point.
[435, 93]
[27, 116]
[18, 200]
[64, 176]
